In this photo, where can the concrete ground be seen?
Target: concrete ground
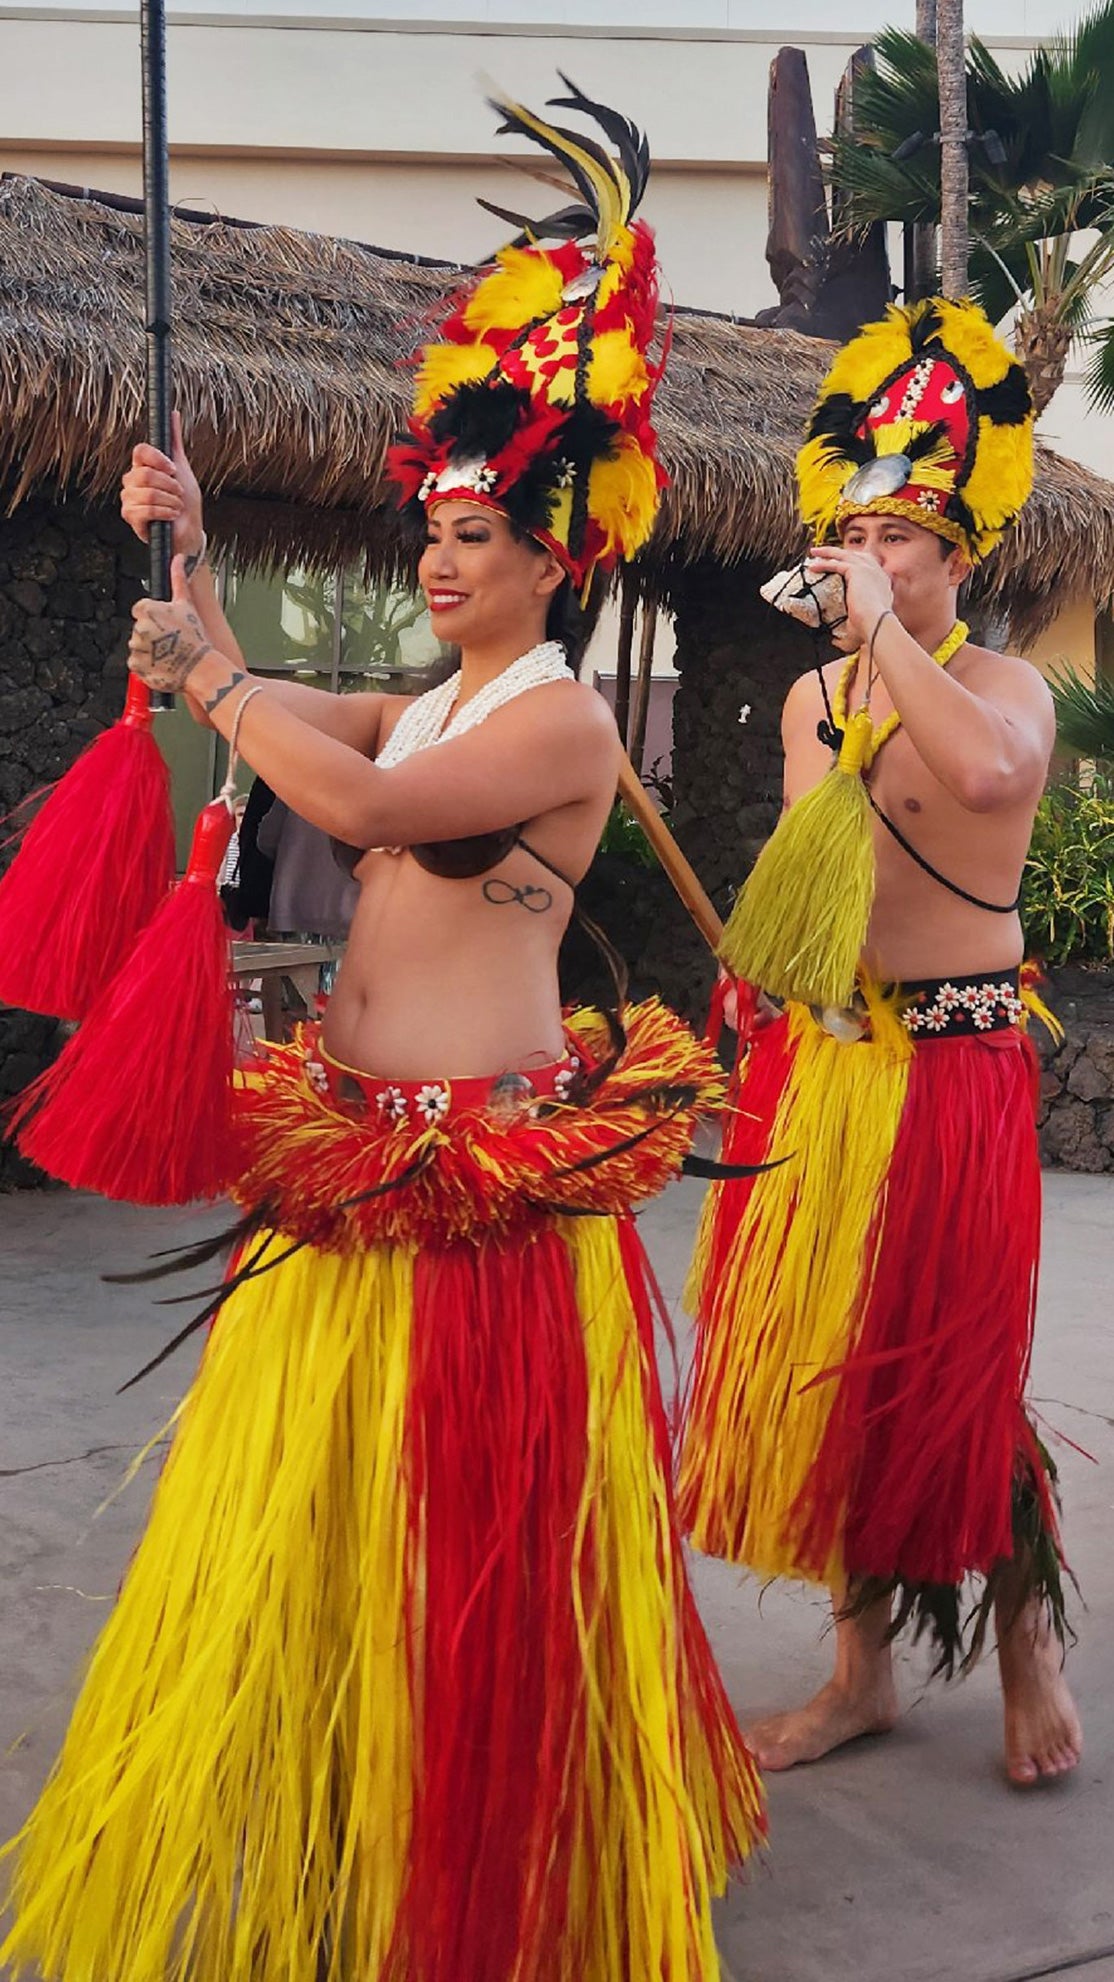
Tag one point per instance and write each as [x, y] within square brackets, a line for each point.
[904, 1860]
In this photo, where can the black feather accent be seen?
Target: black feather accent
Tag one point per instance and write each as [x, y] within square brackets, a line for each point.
[570, 223]
[926, 330]
[1010, 402]
[479, 419]
[513, 125]
[715, 1172]
[180, 1259]
[588, 435]
[956, 511]
[924, 443]
[630, 143]
[835, 422]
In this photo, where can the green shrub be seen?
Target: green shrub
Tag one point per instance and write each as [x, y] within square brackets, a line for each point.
[623, 834]
[1067, 892]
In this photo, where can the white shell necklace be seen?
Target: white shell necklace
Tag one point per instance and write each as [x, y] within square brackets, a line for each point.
[426, 722]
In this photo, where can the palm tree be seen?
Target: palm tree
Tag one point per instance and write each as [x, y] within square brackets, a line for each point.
[1041, 158]
[954, 163]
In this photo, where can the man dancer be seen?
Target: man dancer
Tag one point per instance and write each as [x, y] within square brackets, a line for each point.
[865, 1311]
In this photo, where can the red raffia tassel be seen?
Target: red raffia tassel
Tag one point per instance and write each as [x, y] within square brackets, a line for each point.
[93, 866]
[138, 1104]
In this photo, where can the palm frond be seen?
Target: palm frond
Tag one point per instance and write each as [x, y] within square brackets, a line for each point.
[1084, 714]
[1098, 379]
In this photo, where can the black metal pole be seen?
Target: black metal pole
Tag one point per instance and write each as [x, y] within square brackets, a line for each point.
[156, 207]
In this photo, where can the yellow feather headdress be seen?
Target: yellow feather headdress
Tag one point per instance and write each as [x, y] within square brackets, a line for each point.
[926, 415]
[536, 400]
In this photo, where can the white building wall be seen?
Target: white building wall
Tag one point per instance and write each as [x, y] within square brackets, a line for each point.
[325, 116]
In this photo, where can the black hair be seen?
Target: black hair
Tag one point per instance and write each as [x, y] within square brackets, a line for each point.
[570, 617]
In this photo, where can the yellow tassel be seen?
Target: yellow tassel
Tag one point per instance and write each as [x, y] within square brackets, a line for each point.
[800, 921]
[788, 1303]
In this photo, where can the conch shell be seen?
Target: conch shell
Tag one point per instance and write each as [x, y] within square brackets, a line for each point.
[816, 602]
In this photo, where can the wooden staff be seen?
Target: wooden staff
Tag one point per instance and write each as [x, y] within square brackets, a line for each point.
[634, 797]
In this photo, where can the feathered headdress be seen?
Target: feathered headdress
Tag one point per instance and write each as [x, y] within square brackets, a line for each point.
[924, 415]
[536, 401]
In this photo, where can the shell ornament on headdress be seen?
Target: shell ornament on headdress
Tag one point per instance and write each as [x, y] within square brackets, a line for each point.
[536, 401]
[925, 415]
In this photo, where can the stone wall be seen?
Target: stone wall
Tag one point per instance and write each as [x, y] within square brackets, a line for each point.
[69, 575]
[1077, 1078]
[733, 653]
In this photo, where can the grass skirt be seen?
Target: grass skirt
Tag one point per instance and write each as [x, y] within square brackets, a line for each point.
[405, 1682]
[856, 1410]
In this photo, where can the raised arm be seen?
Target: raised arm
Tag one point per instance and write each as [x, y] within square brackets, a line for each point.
[160, 487]
[987, 743]
[552, 748]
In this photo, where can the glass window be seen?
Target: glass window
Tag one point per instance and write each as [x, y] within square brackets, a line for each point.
[332, 630]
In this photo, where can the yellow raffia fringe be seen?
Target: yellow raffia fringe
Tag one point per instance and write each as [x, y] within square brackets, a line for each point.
[788, 1302]
[239, 1772]
[800, 920]
[236, 1757]
[651, 1846]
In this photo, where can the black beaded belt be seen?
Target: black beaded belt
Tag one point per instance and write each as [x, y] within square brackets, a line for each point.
[944, 1007]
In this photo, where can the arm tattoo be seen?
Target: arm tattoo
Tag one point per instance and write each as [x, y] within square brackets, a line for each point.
[225, 689]
[195, 559]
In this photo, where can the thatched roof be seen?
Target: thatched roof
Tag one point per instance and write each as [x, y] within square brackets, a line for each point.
[290, 364]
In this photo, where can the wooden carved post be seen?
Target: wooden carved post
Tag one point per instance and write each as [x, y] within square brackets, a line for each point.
[642, 686]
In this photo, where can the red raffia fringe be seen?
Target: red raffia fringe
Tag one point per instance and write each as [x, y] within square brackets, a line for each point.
[302, 1156]
[138, 1104]
[92, 868]
[928, 1425]
[500, 1675]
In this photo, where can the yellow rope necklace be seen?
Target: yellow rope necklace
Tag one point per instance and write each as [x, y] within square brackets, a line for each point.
[861, 742]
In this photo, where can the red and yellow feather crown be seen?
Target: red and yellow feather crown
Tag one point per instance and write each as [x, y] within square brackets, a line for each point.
[925, 415]
[536, 401]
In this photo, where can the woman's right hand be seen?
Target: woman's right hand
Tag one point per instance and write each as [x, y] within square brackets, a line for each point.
[160, 488]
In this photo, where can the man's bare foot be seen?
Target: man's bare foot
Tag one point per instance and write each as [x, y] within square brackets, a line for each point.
[837, 1714]
[1044, 1739]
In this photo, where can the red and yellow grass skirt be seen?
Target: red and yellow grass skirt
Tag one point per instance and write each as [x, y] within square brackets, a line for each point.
[406, 1682]
[865, 1311]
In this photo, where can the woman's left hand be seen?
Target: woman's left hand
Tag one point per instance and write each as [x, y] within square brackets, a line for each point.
[168, 639]
[868, 588]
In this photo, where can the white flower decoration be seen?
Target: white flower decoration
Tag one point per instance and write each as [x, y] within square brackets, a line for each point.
[391, 1102]
[316, 1076]
[432, 1103]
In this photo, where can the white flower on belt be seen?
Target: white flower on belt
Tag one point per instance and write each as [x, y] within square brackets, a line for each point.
[316, 1076]
[392, 1103]
[432, 1103]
